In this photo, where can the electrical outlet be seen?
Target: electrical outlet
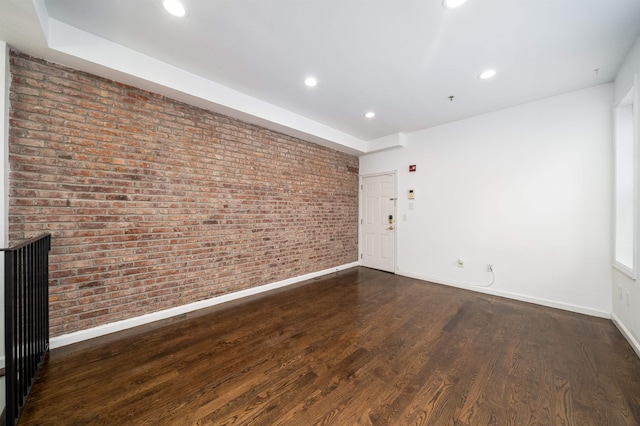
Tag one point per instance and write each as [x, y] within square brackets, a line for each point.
[460, 263]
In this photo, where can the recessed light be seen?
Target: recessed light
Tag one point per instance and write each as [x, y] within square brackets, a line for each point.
[174, 7]
[451, 4]
[370, 114]
[311, 81]
[487, 74]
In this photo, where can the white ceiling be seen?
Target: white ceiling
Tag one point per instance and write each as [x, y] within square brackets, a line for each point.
[399, 58]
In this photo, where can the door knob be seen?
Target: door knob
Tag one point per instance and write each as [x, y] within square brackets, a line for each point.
[390, 228]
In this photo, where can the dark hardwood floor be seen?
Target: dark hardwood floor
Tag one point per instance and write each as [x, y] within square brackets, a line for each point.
[357, 347]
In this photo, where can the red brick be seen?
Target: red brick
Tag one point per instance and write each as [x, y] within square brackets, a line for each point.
[153, 203]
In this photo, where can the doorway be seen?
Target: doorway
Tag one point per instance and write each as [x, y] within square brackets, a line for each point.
[378, 222]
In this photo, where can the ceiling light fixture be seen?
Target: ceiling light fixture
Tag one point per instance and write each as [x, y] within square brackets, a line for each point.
[452, 4]
[487, 74]
[370, 114]
[174, 7]
[311, 81]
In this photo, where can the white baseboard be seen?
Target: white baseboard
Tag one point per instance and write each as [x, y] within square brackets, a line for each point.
[515, 296]
[635, 345]
[101, 330]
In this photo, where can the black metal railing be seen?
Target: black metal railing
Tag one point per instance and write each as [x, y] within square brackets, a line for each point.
[26, 313]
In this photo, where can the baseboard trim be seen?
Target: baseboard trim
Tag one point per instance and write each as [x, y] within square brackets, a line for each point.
[515, 296]
[635, 345]
[101, 330]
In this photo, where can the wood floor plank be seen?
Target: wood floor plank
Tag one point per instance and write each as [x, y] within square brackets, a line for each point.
[359, 347]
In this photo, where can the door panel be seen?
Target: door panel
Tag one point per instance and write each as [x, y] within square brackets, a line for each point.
[369, 238]
[384, 247]
[378, 195]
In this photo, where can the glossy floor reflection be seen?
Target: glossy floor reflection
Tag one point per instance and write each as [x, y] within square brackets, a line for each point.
[357, 347]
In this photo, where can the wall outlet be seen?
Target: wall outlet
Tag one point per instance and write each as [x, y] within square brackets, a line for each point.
[460, 263]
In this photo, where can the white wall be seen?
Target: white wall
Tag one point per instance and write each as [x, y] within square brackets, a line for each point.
[526, 189]
[627, 317]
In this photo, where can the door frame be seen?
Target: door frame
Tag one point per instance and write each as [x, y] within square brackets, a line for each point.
[395, 214]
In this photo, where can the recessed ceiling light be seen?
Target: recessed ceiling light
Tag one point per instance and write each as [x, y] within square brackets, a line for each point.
[174, 7]
[487, 74]
[311, 81]
[451, 4]
[370, 114]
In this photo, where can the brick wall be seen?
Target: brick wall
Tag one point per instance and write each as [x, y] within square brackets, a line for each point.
[153, 203]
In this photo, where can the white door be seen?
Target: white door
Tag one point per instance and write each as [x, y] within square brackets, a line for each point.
[379, 222]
